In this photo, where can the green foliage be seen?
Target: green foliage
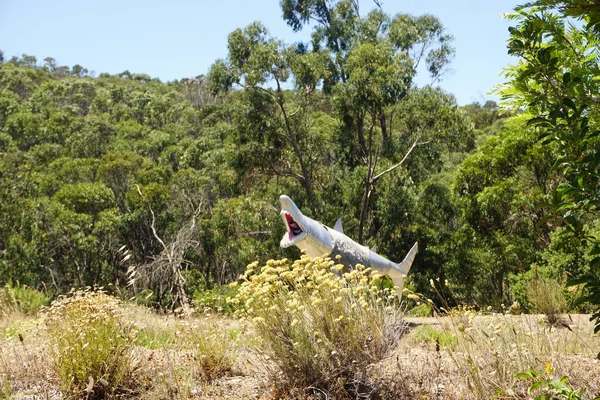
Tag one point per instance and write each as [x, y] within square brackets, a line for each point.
[85, 198]
[22, 298]
[560, 58]
[215, 300]
[422, 310]
[592, 285]
[430, 334]
[91, 168]
[552, 389]
[483, 116]
[564, 258]
[101, 177]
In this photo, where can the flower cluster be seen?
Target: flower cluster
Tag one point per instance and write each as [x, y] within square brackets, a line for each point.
[307, 284]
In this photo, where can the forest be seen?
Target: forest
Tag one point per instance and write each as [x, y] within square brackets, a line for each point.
[163, 193]
[177, 183]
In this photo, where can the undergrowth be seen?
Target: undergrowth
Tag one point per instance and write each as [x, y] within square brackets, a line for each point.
[491, 349]
[90, 344]
[548, 388]
[16, 298]
[215, 300]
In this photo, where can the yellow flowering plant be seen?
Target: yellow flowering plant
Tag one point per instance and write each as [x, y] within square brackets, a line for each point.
[321, 326]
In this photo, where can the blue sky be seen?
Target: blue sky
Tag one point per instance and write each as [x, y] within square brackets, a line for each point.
[177, 39]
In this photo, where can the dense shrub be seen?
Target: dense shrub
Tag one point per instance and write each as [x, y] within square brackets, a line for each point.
[321, 331]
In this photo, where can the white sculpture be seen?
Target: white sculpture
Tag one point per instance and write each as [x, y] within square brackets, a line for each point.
[318, 240]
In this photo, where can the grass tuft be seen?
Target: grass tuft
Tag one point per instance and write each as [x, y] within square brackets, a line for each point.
[547, 297]
[21, 299]
[90, 344]
[213, 348]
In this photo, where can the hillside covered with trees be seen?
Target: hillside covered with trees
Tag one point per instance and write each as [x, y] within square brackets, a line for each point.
[162, 190]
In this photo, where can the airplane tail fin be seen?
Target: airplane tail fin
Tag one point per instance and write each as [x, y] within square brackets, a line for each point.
[399, 272]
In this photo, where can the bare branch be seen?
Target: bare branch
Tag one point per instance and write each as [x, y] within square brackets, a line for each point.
[393, 167]
[164, 273]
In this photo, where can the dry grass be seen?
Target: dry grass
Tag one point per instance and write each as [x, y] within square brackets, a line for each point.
[181, 356]
[488, 352]
[496, 347]
[167, 356]
[24, 358]
[460, 356]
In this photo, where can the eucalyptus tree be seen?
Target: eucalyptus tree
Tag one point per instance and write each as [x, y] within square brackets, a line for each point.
[272, 121]
[371, 62]
[383, 52]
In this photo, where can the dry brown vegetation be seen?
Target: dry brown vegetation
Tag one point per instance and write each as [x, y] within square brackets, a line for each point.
[462, 355]
[471, 356]
[480, 363]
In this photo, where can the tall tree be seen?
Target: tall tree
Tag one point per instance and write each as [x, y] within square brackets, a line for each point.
[556, 79]
[371, 64]
[262, 66]
[401, 43]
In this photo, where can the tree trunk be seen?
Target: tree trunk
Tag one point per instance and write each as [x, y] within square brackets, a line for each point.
[360, 124]
[387, 142]
[364, 207]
